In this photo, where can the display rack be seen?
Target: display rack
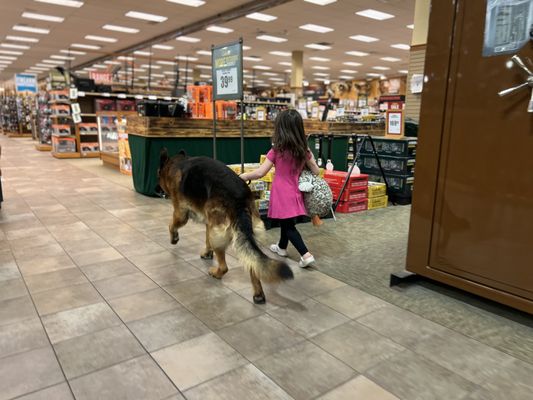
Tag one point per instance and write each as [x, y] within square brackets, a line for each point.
[113, 139]
[17, 115]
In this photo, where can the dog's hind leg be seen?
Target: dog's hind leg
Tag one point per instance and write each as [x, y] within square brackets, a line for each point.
[219, 270]
[179, 218]
[208, 252]
[259, 295]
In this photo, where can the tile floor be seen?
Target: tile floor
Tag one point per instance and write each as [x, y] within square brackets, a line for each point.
[96, 304]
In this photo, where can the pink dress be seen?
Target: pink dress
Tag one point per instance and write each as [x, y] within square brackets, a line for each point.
[286, 200]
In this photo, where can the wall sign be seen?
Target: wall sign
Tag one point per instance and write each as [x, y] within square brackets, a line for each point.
[508, 26]
[394, 123]
[26, 83]
[227, 71]
[417, 83]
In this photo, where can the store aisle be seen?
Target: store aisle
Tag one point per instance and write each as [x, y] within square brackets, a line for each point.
[96, 304]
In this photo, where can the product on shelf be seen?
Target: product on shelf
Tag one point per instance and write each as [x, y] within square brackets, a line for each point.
[63, 144]
[60, 109]
[105, 105]
[61, 130]
[87, 128]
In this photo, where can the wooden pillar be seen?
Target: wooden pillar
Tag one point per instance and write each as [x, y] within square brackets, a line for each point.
[297, 72]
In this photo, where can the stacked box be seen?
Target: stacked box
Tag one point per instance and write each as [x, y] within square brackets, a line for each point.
[378, 202]
[377, 195]
[354, 197]
[63, 144]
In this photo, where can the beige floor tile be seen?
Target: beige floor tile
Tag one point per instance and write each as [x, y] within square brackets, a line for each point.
[16, 310]
[197, 360]
[313, 283]
[352, 302]
[108, 269]
[143, 304]
[95, 256]
[22, 336]
[124, 285]
[172, 274]
[360, 388]
[58, 392]
[56, 300]
[40, 265]
[11, 289]
[193, 290]
[55, 280]
[153, 260]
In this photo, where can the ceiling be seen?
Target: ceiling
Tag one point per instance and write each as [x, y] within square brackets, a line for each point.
[339, 16]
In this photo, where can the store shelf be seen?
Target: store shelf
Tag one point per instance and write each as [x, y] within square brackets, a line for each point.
[18, 135]
[94, 154]
[89, 134]
[269, 103]
[43, 147]
[60, 116]
[126, 96]
[88, 115]
[65, 102]
[63, 136]
[66, 155]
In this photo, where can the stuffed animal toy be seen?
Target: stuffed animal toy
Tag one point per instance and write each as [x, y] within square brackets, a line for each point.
[317, 196]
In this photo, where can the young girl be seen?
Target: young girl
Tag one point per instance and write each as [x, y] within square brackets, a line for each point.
[290, 154]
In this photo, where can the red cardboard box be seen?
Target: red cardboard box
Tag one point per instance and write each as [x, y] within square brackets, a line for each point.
[346, 207]
[337, 178]
[359, 193]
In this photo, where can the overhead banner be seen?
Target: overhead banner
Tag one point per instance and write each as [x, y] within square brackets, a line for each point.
[26, 83]
[227, 71]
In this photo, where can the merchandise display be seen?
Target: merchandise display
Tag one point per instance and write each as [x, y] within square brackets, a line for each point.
[17, 114]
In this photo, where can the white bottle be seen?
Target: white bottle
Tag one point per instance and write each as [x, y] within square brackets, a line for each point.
[329, 165]
[355, 171]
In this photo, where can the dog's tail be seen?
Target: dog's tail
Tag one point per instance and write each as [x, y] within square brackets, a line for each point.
[250, 254]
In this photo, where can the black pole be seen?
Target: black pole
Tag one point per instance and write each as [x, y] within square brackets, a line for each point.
[349, 173]
[242, 112]
[214, 129]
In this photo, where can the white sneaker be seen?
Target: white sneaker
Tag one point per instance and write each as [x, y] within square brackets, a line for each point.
[305, 262]
[274, 248]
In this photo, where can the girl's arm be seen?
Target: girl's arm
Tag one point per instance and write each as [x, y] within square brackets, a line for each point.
[312, 165]
[259, 172]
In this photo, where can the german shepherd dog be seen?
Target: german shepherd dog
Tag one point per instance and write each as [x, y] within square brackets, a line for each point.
[207, 191]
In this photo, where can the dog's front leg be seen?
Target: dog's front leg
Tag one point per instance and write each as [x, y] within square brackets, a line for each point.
[208, 252]
[179, 218]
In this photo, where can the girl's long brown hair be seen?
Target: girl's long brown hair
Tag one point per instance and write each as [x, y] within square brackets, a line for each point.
[289, 135]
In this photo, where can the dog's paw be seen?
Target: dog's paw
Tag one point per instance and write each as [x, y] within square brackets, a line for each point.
[259, 299]
[216, 273]
[207, 255]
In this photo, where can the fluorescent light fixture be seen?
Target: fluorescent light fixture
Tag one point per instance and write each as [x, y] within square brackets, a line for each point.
[6, 62]
[218, 29]
[320, 67]
[101, 39]
[203, 52]
[44, 65]
[357, 53]
[146, 16]
[379, 68]
[320, 74]
[42, 17]
[188, 39]
[169, 72]
[147, 66]
[391, 59]
[166, 62]
[200, 66]
[8, 58]
[11, 52]
[261, 17]
[40, 68]
[110, 62]
[78, 53]
[125, 58]
[373, 74]
[412, 26]
[321, 2]
[142, 53]
[62, 57]
[401, 46]
[158, 75]
[118, 28]
[374, 14]
[346, 77]
[364, 38]
[322, 80]
[403, 71]
[352, 63]
[287, 71]
[316, 28]
[281, 53]
[140, 70]
[248, 76]
[14, 46]
[162, 47]
[205, 76]
[349, 71]
[270, 38]
[317, 46]
[190, 3]
[186, 69]
[270, 73]
[66, 3]
[85, 46]
[57, 62]
[187, 58]
[31, 29]
[321, 59]
[89, 69]
[276, 79]
[263, 67]
[285, 63]
[252, 58]
[246, 48]
[100, 66]
[22, 39]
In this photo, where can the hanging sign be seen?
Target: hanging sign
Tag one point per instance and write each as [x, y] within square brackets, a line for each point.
[104, 78]
[394, 123]
[227, 71]
[26, 83]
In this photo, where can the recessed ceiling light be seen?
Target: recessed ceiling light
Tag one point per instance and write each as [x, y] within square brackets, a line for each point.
[22, 39]
[89, 69]
[321, 2]
[24, 28]
[317, 46]
[321, 59]
[246, 48]
[373, 74]
[205, 76]
[357, 53]
[320, 67]
[349, 71]
[11, 52]
[218, 29]
[379, 68]
[125, 58]
[42, 17]
[316, 28]
[187, 58]
[346, 77]
[188, 39]
[166, 62]
[391, 59]
[162, 47]
[363, 38]
[6, 62]
[186, 70]
[110, 62]
[401, 46]
[146, 16]
[66, 3]
[412, 26]
[44, 65]
[270, 73]
[270, 38]
[326, 81]
[142, 53]
[276, 79]
[352, 63]
[252, 58]
[147, 66]
[169, 72]
[204, 52]
[100, 66]
[281, 53]
[62, 57]
[263, 67]
[158, 75]
[101, 39]
[403, 71]
[75, 52]
[8, 58]
[190, 3]
[57, 62]
[14, 46]
[374, 14]
[261, 17]
[85, 46]
[285, 63]
[204, 66]
[320, 74]
[118, 28]
[40, 68]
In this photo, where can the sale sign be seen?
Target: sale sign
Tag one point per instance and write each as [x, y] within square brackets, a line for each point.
[227, 71]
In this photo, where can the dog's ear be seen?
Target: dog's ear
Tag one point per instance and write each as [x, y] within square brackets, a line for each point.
[182, 153]
[163, 157]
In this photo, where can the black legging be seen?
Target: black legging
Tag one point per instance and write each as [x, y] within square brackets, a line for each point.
[290, 233]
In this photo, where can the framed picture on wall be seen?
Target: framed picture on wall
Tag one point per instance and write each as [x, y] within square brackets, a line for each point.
[394, 124]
